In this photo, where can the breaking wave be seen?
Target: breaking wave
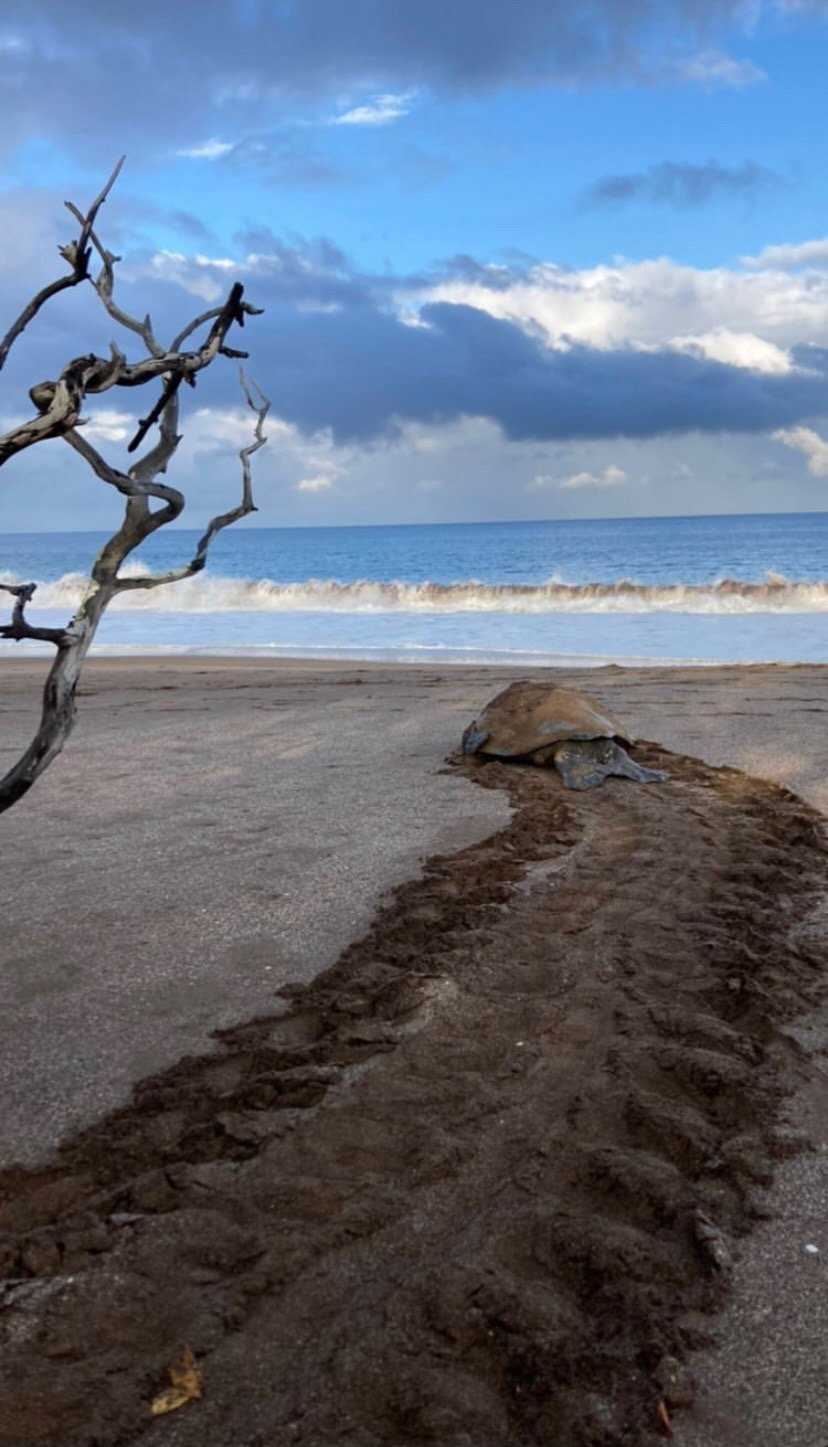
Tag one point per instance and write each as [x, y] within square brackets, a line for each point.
[205, 594]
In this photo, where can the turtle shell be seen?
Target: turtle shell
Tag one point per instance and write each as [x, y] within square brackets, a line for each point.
[529, 717]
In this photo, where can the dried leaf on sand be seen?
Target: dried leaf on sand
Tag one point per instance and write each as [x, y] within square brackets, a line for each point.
[186, 1385]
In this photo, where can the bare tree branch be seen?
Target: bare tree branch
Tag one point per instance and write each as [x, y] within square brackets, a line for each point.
[171, 387]
[59, 406]
[19, 628]
[193, 326]
[124, 481]
[59, 403]
[156, 460]
[104, 285]
[77, 254]
[261, 406]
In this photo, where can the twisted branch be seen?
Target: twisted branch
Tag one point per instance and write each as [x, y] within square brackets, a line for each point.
[58, 406]
[104, 285]
[59, 403]
[77, 253]
[259, 404]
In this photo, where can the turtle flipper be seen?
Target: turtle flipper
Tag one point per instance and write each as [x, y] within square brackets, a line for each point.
[585, 763]
[629, 769]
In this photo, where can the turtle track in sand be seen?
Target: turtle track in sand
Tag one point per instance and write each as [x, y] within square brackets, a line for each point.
[479, 1184]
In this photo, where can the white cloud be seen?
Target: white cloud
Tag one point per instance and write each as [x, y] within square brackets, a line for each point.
[381, 110]
[207, 276]
[808, 442]
[611, 476]
[322, 463]
[107, 425]
[713, 67]
[201, 276]
[736, 349]
[212, 432]
[743, 315]
[320, 483]
[211, 150]
[790, 255]
[427, 438]
[746, 315]
[222, 429]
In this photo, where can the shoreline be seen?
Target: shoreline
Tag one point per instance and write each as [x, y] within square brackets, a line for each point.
[384, 658]
[191, 661]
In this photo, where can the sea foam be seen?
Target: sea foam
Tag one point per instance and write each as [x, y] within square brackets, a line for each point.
[216, 594]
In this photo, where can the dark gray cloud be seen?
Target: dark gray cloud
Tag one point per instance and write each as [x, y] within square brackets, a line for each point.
[332, 353]
[359, 372]
[681, 183]
[168, 72]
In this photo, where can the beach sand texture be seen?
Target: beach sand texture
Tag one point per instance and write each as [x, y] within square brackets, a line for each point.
[476, 1146]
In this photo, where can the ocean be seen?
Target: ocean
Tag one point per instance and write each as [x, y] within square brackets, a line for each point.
[583, 593]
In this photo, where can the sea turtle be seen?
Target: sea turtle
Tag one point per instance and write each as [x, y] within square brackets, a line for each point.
[558, 727]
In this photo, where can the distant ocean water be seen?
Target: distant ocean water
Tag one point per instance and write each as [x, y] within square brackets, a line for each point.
[641, 590]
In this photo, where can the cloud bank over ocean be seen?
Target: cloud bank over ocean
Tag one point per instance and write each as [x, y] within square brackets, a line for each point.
[361, 170]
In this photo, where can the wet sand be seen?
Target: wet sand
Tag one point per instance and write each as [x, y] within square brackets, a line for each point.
[217, 829]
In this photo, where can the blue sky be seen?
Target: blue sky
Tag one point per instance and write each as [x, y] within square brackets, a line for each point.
[535, 260]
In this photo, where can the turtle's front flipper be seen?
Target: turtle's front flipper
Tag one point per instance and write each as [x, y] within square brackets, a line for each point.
[585, 763]
[629, 769]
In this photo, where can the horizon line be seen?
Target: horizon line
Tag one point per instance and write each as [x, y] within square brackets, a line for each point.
[456, 523]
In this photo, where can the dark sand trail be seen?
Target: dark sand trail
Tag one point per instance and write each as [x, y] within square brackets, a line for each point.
[479, 1184]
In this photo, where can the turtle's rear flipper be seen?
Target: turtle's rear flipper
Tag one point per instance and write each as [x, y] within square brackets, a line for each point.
[584, 763]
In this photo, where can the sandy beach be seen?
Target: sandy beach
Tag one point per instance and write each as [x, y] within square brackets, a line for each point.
[218, 830]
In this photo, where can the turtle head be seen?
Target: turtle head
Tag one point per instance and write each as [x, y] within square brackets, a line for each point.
[474, 738]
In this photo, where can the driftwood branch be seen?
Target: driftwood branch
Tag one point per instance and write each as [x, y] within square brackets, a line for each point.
[259, 404]
[76, 253]
[171, 387]
[125, 482]
[19, 628]
[245, 309]
[59, 403]
[148, 502]
[104, 285]
[157, 459]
